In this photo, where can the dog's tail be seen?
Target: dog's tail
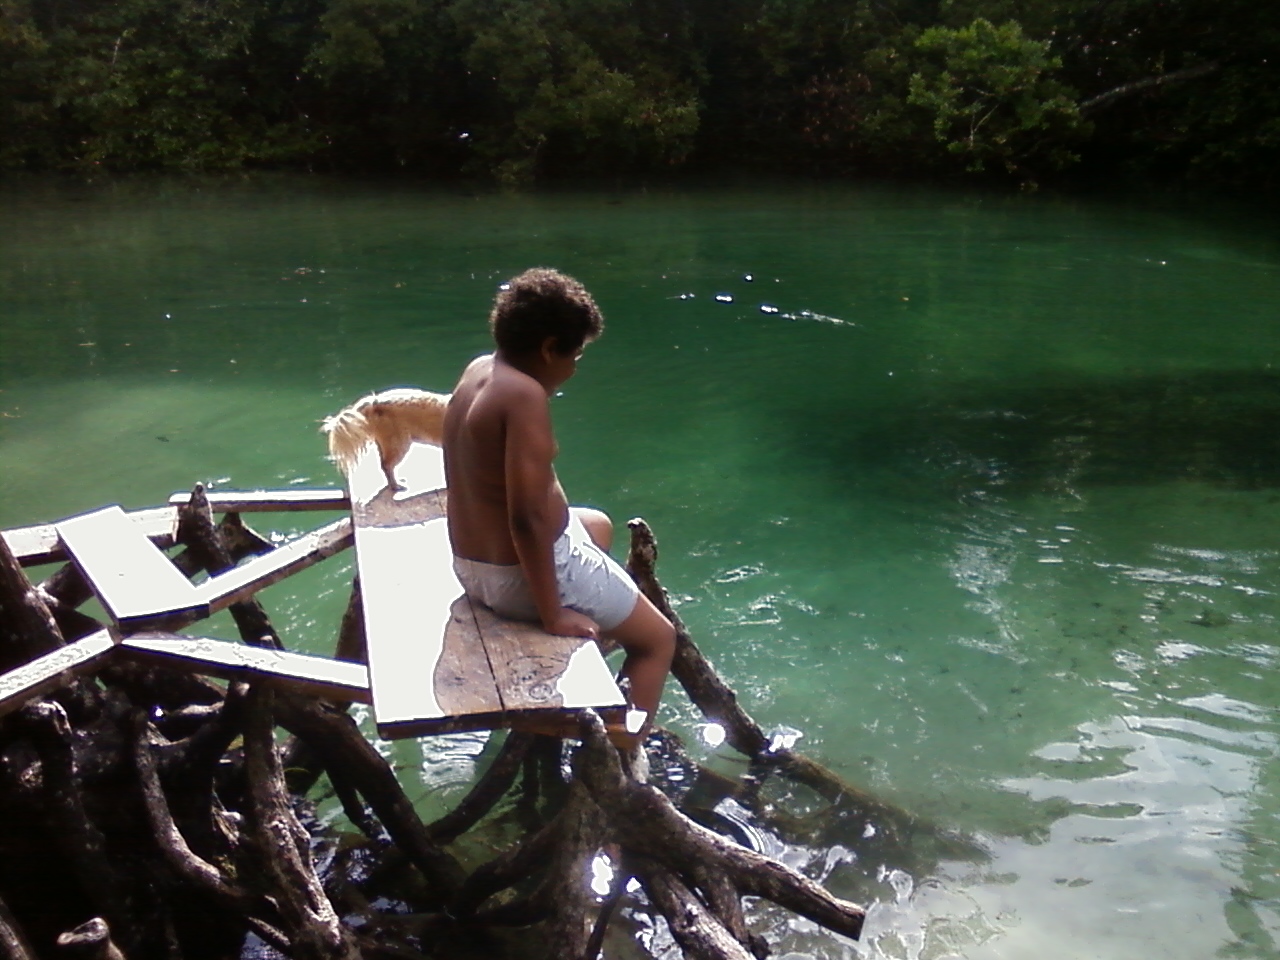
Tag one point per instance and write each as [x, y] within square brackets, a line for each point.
[390, 420]
[349, 433]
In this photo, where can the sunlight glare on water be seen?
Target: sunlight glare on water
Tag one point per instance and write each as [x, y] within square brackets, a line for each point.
[974, 498]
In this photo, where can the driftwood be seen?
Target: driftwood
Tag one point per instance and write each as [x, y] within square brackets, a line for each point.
[211, 553]
[27, 628]
[329, 734]
[1148, 83]
[309, 918]
[82, 841]
[13, 942]
[172, 824]
[695, 877]
[89, 941]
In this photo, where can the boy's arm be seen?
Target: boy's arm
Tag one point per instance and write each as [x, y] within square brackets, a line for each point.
[534, 507]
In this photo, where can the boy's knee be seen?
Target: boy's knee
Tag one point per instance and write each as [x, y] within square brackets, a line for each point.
[666, 643]
[598, 524]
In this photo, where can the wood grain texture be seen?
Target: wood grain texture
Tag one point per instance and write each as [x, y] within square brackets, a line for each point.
[408, 590]
[464, 680]
[536, 670]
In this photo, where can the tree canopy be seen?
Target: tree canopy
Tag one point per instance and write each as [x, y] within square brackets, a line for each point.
[522, 90]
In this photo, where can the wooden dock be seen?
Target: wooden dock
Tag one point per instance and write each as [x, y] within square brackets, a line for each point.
[436, 661]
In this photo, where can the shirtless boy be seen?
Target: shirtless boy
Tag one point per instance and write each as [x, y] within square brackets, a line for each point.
[518, 546]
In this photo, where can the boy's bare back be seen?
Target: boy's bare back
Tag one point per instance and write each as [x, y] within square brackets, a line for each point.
[499, 448]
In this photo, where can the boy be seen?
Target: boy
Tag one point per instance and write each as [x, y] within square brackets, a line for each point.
[518, 546]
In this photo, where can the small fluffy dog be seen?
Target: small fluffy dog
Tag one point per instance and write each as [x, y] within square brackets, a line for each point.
[392, 419]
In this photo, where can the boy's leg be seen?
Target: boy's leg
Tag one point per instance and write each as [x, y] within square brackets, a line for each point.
[647, 637]
[598, 525]
[649, 640]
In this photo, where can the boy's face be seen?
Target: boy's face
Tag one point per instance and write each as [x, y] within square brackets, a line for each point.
[562, 366]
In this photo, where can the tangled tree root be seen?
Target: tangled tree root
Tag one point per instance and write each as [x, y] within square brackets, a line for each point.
[151, 815]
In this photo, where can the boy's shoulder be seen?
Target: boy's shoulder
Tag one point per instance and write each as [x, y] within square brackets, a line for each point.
[500, 385]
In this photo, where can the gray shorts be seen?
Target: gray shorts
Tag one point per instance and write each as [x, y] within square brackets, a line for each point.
[590, 581]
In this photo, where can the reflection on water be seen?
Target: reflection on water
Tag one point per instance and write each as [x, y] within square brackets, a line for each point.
[983, 507]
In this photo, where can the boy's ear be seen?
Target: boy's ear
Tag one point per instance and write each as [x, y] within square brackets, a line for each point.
[548, 350]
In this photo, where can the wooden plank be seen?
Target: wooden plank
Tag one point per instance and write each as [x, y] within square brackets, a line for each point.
[536, 670]
[462, 693]
[262, 571]
[270, 501]
[409, 592]
[463, 679]
[427, 669]
[39, 544]
[134, 580]
[55, 669]
[338, 680]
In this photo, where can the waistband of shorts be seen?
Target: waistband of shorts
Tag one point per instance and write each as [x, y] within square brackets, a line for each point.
[561, 546]
[480, 566]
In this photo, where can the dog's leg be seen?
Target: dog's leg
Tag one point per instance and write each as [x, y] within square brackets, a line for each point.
[393, 450]
[389, 470]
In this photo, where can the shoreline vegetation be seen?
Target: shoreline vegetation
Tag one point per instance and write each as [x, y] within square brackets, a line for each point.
[1027, 92]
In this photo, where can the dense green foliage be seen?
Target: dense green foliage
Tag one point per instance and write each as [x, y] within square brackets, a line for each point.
[527, 89]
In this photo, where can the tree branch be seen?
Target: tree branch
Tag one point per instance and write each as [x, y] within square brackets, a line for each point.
[1147, 83]
[177, 852]
[13, 942]
[699, 934]
[82, 842]
[646, 822]
[314, 930]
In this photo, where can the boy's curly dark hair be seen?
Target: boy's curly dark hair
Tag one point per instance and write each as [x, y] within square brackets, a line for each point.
[542, 303]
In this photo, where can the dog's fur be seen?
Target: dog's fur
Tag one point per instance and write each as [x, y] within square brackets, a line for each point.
[392, 420]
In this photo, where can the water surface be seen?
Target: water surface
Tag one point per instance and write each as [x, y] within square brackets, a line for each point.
[983, 503]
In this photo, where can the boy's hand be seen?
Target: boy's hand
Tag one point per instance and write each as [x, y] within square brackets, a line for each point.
[571, 623]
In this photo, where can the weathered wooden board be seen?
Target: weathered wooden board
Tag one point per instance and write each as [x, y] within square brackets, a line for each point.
[408, 589]
[338, 680]
[53, 670]
[39, 544]
[426, 671]
[138, 584]
[536, 670]
[270, 501]
[437, 662]
[247, 579]
[463, 678]
[134, 580]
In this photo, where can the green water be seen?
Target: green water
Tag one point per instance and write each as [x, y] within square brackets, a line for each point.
[987, 510]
